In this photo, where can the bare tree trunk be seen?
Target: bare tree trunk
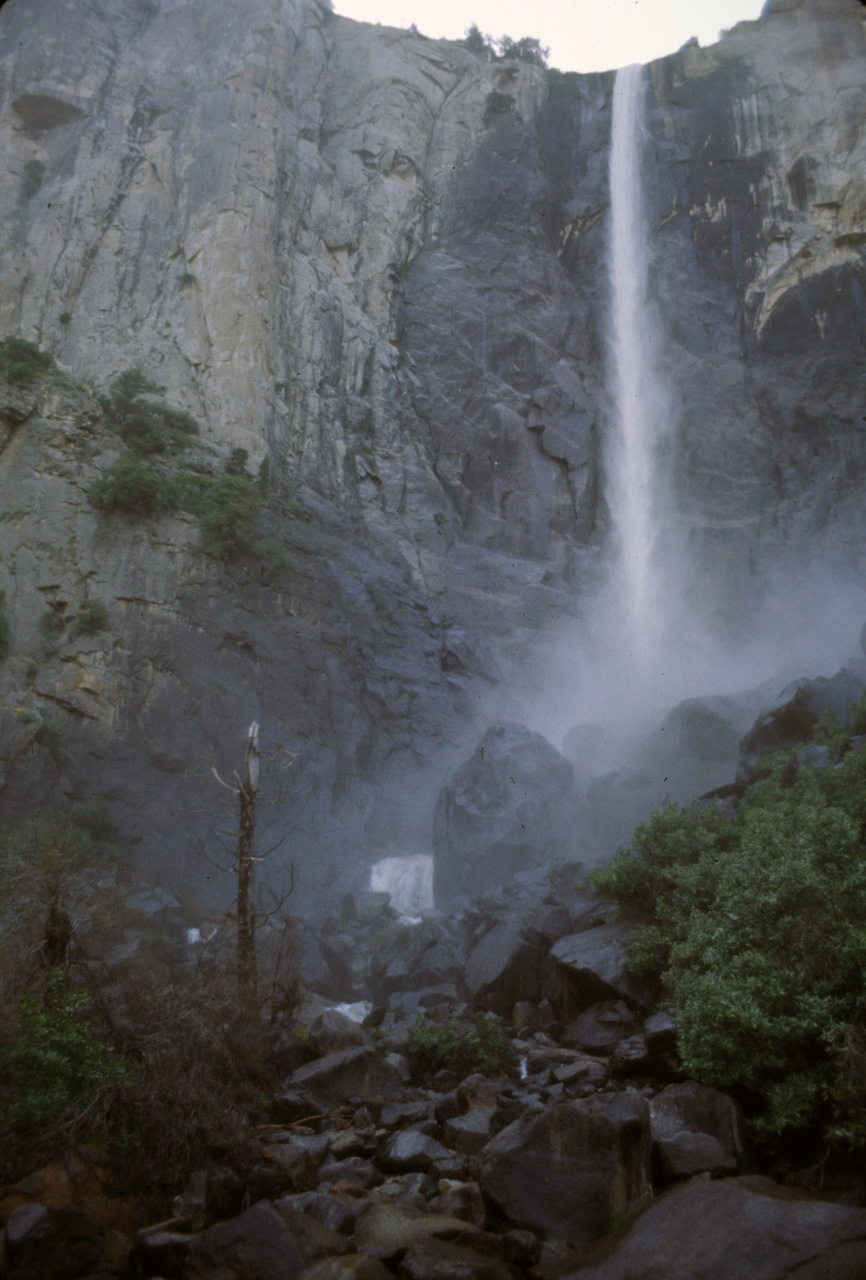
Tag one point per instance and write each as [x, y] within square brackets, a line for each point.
[246, 953]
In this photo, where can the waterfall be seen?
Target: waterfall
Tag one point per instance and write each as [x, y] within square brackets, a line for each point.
[638, 490]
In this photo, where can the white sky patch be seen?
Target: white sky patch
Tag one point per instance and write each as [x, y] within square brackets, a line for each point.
[582, 35]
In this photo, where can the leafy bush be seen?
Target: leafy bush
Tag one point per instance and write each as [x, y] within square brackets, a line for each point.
[55, 1066]
[237, 462]
[147, 426]
[132, 487]
[92, 617]
[65, 317]
[525, 50]
[458, 1046]
[50, 626]
[21, 362]
[227, 508]
[758, 928]
[5, 632]
[497, 104]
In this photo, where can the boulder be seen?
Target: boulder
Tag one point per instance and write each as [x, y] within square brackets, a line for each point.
[333, 1030]
[512, 805]
[433, 1259]
[736, 1228]
[258, 1240]
[570, 1169]
[600, 1027]
[797, 712]
[351, 1266]
[589, 967]
[695, 1129]
[345, 1074]
[384, 1229]
[410, 1150]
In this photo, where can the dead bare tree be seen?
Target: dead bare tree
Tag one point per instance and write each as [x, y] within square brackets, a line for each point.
[246, 792]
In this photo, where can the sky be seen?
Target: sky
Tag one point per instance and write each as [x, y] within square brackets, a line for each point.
[583, 35]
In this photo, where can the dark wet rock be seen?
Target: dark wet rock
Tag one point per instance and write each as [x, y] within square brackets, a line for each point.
[600, 1027]
[589, 967]
[660, 1034]
[162, 1253]
[797, 713]
[630, 1058]
[469, 1132]
[61, 1242]
[313, 1239]
[353, 1266]
[737, 1228]
[346, 1074]
[335, 1211]
[297, 1166]
[696, 1129]
[292, 1103]
[410, 1151]
[354, 1171]
[462, 1200]
[512, 805]
[441, 1260]
[259, 1240]
[333, 1030]
[567, 1169]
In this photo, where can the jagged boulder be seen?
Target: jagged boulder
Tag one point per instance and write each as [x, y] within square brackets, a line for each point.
[739, 1228]
[511, 806]
[695, 1129]
[568, 1170]
[798, 712]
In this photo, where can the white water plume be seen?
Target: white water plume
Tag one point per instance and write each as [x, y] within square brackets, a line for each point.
[641, 580]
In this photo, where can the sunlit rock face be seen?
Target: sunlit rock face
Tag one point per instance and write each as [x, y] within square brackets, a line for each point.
[378, 260]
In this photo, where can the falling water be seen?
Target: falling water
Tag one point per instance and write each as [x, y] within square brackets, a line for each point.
[637, 486]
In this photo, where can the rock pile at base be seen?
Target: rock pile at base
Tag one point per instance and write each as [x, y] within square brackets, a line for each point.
[590, 1157]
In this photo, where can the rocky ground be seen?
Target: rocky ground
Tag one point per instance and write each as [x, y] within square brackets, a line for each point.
[587, 1154]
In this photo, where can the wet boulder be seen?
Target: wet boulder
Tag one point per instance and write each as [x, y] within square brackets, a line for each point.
[344, 1075]
[695, 1129]
[568, 1170]
[739, 1228]
[798, 711]
[589, 967]
[511, 806]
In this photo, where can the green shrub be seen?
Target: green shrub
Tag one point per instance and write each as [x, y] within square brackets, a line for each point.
[65, 317]
[21, 362]
[51, 626]
[758, 929]
[5, 631]
[525, 50]
[237, 462]
[31, 671]
[227, 508]
[34, 172]
[458, 1046]
[132, 487]
[147, 426]
[48, 735]
[497, 104]
[92, 617]
[55, 1066]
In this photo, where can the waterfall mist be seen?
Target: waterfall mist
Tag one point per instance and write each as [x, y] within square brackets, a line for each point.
[665, 622]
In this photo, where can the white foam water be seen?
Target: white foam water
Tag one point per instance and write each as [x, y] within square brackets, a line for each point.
[409, 880]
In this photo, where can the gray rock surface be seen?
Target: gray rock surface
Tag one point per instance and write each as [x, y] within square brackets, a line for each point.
[569, 1169]
[739, 1228]
[511, 806]
[277, 213]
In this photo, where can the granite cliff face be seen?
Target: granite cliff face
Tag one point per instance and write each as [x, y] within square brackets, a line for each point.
[378, 261]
